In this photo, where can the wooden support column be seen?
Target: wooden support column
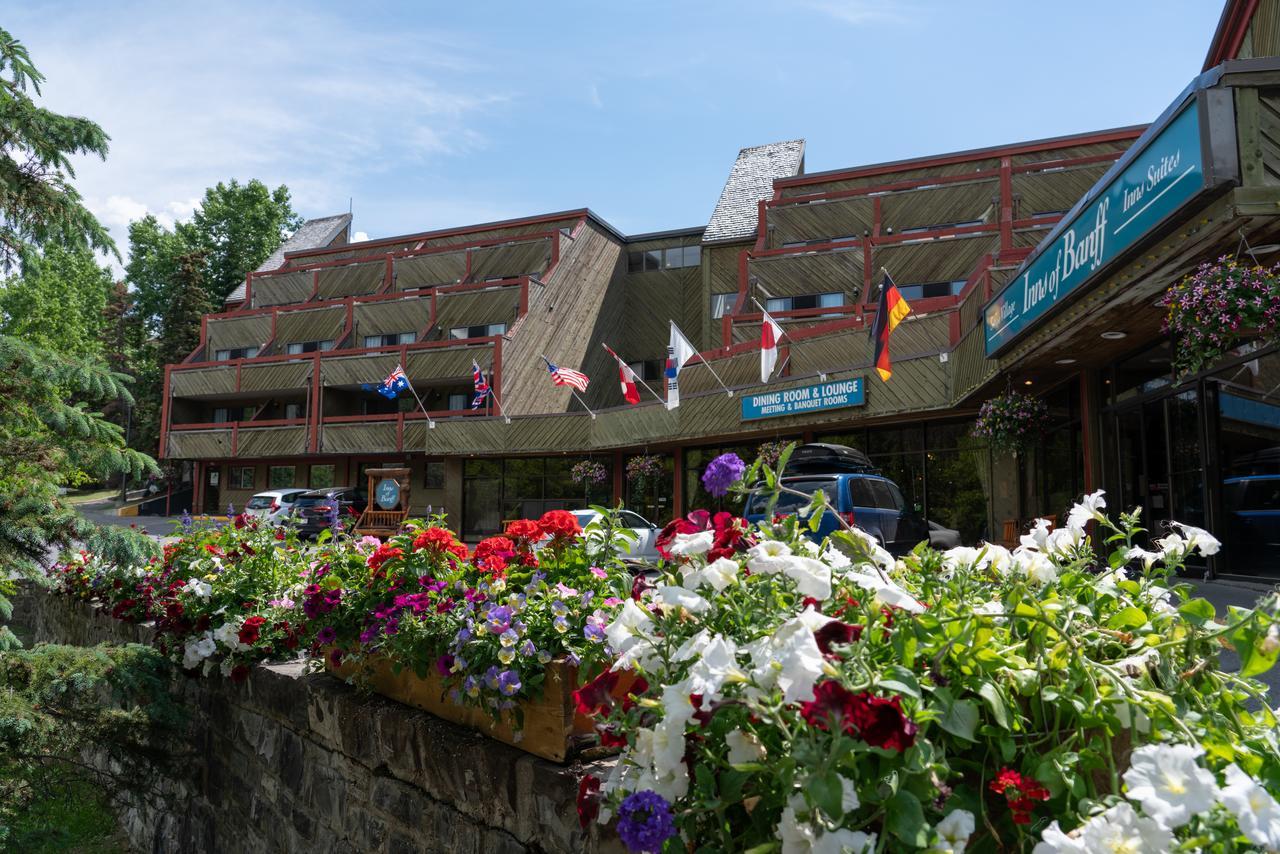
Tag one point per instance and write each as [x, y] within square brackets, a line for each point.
[1006, 204]
[619, 482]
[677, 487]
[1091, 428]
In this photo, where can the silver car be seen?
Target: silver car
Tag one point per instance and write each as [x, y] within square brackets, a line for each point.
[274, 505]
[645, 547]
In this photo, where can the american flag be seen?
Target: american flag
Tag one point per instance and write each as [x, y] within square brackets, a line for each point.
[567, 376]
[481, 385]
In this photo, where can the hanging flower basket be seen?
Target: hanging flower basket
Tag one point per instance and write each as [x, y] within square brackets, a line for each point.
[1217, 308]
[642, 469]
[1011, 422]
[589, 473]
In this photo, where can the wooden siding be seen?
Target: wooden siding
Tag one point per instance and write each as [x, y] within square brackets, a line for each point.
[235, 332]
[281, 288]
[276, 376]
[970, 365]
[199, 444]
[835, 271]
[1262, 38]
[474, 308]
[820, 220]
[510, 260]
[351, 279]
[390, 316]
[372, 437]
[653, 299]
[720, 277]
[940, 206]
[1068, 152]
[1258, 123]
[319, 324]
[424, 271]
[941, 260]
[203, 381]
[450, 363]
[494, 233]
[963, 168]
[1038, 192]
[271, 441]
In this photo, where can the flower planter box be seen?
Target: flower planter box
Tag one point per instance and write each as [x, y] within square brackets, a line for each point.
[552, 729]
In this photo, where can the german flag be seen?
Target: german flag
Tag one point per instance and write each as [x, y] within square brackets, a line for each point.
[889, 314]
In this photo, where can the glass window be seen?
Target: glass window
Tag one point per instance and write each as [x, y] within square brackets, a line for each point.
[692, 256]
[804, 301]
[433, 475]
[861, 493]
[322, 476]
[390, 340]
[227, 414]
[459, 401]
[242, 477]
[482, 331]
[294, 411]
[235, 353]
[280, 477]
[635, 262]
[787, 503]
[297, 347]
[722, 304]
[653, 260]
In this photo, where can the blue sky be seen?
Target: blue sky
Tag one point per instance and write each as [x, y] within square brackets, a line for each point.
[434, 115]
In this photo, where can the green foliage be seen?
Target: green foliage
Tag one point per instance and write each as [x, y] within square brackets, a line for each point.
[57, 703]
[38, 205]
[238, 226]
[59, 303]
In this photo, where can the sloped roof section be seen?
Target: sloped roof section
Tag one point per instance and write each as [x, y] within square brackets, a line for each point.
[312, 234]
[750, 181]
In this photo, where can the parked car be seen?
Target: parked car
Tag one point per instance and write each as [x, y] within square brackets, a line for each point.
[861, 495]
[645, 547]
[314, 507]
[274, 505]
[943, 538]
[1252, 504]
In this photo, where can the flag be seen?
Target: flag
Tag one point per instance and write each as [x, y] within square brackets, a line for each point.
[679, 351]
[626, 378]
[567, 376]
[482, 389]
[888, 315]
[770, 334]
[391, 387]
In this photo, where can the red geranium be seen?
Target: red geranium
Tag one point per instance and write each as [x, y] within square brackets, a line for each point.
[492, 554]
[437, 539]
[524, 529]
[384, 553]
[1020, 792]
[559, 524]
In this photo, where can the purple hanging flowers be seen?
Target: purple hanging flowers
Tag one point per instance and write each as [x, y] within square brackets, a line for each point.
[1011, 421]
[1217, 308]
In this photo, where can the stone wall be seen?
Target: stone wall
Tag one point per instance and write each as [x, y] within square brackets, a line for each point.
[290, 761]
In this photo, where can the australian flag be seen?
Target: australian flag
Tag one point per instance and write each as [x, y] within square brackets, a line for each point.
[482, 389]
[391, 387]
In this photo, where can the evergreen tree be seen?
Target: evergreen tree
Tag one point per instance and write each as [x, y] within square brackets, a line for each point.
[59, 302]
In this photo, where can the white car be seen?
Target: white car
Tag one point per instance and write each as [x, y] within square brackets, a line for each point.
[943, 538]
[273, 505]
[645, 547]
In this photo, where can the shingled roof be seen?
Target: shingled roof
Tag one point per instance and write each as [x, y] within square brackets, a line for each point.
[312, 234]
[751, 180]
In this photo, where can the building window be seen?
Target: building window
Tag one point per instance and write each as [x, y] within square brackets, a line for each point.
[490, 330]
[242, 477]
[798, 303]
[459, 401]
[294, 411]
[391, 340]
[433, 475]
[322, 476]
[722, 304]
[227, 414]
[280, 477]
[308, 346]
[649, 369]
[235, 353]
[928, 290]
[671, 258]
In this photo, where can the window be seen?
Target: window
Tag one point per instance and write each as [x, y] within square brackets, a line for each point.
[929, 290]
[483, 331]
[235, 353]
[459, 401]
[722, 304]
[797, 303]
[433, 475]
[648, 369]
[308, 346]
[322, 476]
[390, 340]
[227, 414]
[294, 411]
[280, 477]
[671, 258]
[242, 477]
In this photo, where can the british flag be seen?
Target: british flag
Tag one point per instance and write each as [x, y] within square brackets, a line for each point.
[482, 389]
[567, 376]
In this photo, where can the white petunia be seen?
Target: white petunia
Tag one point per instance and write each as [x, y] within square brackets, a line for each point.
[228, 634]
[1199, 539]
[719, 574]
[886, 592]
[743, 747]
[1122, 829]
[197, 650]
[1169, 783]
[814, 619]
[1034, 564]
[812, 577]
[1064, 541]
[631, 624]
[717, 664]
[768, 557]
[199, 588]
[682, 598]
[1054, 841]
[1148, 558]
[953, 832]
[1037, 537]
[962, 557]
[1255, 810]
[789, 659]
[692, 544]
[990, 609]
[1087, 510]
[844, 841]
[797, 836]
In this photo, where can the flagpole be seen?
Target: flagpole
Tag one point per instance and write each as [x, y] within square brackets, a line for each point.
[505, 417]
[639, 379]
[572, 391]
[764, 311]
[727, 390]
[431, 425]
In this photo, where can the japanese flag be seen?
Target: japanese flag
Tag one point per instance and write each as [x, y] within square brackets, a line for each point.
[770, 333]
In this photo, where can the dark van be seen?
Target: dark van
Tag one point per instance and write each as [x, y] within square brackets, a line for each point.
[312, 509]
[861, 495]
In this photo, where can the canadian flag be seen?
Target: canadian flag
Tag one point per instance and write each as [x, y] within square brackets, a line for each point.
[770, 332]
[626, 378]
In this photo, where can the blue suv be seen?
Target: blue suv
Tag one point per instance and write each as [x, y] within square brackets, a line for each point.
[861, 495]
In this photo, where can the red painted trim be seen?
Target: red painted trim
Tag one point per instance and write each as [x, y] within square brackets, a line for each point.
[316, 411]
[249, 425]
[1115, 135]
[1229, 35]
[365, 298]
[1006, 203]
[762, 226]
[677, 487]
[164, 415]
[354, 351]
[495, 381]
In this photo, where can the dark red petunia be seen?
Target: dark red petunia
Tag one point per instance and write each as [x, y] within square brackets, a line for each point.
[239, 673]
[830, 708]
[881, 723]
[596, 696]
[588, 800]
[836, 632]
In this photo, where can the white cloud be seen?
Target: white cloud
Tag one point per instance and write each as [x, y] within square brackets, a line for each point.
[359, 237]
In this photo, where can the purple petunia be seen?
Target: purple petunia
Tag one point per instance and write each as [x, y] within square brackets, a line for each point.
[723, 472]
[326, 636]
[645, 821]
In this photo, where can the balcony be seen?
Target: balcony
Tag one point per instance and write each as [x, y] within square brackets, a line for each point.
[285, 437]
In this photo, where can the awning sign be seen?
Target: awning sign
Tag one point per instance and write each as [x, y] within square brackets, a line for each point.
[836, 394]
[1168, 173]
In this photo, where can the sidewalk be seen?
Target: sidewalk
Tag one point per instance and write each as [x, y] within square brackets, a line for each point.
[1224, 593]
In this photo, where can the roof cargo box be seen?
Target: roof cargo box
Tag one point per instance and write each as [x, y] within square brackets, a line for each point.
[819, 457]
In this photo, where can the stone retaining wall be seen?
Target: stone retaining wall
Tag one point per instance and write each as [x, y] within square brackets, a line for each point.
[290, 761]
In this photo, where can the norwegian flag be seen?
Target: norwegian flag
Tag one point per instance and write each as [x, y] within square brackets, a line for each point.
[567, 376]
[482, 389]
[626, 378]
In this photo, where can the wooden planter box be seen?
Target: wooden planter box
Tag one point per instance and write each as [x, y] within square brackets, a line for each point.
[552, 728]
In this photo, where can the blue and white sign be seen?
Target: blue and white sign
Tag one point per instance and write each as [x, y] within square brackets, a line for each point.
[387, 493]
[1158, 181]
[836, 394]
